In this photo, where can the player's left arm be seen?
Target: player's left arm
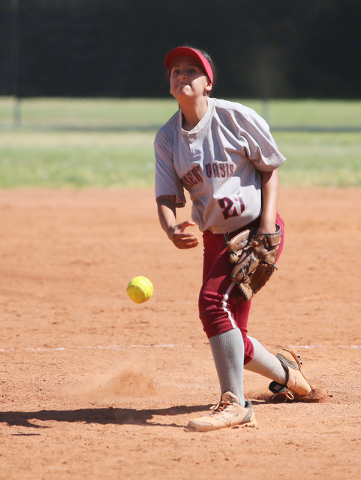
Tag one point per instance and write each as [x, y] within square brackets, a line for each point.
[270, 194]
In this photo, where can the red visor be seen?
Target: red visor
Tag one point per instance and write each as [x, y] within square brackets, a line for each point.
[189, 52]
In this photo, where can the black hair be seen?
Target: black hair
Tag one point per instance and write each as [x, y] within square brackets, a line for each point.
[211, 62]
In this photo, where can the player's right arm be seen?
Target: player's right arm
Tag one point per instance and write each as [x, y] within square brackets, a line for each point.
[168, 221]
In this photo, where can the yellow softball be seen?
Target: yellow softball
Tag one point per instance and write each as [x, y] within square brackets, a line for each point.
[140, 289]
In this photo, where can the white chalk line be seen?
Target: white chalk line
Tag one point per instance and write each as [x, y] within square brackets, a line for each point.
[95, 347]
[172, 345]
[327, 346]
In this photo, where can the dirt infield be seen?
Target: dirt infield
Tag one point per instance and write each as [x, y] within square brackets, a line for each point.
[95, 386]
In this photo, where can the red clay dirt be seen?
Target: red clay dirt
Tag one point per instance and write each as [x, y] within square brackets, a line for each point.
[96, 386]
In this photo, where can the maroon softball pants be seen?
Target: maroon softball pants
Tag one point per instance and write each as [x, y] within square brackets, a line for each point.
[221, 308]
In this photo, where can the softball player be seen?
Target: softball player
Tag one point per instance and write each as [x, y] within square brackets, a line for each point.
[223, 154]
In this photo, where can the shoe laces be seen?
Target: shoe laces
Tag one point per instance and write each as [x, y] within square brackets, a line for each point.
[221, 407]
[288, 395]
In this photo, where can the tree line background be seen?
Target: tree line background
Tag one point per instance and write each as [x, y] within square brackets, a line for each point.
[115, 48]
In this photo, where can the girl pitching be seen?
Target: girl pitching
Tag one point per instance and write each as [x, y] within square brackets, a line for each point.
[223, 154]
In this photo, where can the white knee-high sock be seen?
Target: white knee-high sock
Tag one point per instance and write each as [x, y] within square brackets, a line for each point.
[228, 354]
[266, 364]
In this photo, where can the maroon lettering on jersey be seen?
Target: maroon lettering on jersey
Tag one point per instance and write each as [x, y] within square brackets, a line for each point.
[228, 207]
[215, 169]
[192, 177]
[232, 206]
[189, 177]
[185, 183]
[219, 170]
[222, 169]
[212, 170]
[208, 170]
[198, 174]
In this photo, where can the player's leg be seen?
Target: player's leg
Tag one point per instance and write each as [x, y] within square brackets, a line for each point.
[216, 302]
[242, 308]
[265, 364]
[217, 298]
[228, 354]
[284, 369]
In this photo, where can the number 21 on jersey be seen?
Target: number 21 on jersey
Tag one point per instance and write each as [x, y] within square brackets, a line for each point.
[231, 206]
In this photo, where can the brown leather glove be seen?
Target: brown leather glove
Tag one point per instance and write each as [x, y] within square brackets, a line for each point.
[254, 258]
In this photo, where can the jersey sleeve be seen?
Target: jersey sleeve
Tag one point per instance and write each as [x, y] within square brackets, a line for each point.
[167, 181]
[260, 146]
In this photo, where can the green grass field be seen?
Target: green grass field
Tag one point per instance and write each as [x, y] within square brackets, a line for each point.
[105, 143]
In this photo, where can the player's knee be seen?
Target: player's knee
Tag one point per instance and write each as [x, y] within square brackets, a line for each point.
[213, 314]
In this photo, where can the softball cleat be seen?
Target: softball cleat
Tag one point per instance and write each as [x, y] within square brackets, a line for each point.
[228, 413]
[297, 383]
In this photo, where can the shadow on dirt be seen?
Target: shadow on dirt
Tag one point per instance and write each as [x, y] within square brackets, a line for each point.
[102, 416]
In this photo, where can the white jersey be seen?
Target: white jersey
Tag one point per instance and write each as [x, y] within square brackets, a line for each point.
[218, 162]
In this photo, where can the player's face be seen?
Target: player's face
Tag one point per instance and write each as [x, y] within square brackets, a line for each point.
[187, 78]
